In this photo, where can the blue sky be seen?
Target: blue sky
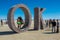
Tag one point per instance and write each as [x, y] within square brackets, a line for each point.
[52, 8]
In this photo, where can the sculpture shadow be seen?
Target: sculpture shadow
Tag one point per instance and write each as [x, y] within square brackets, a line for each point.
[32, 30]
[49, 32]
[7, 33]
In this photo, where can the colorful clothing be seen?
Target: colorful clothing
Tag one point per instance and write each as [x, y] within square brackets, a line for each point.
[19, 22]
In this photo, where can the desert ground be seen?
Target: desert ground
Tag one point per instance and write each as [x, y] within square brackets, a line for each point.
[7, 34]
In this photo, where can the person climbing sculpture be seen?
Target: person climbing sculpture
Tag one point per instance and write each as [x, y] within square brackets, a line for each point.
[19, 22]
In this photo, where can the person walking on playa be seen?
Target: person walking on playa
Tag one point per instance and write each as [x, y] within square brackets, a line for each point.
[46, 23]
[50, 23]
[19, 22]
[53, 26]
[57, 26]
[1, 22]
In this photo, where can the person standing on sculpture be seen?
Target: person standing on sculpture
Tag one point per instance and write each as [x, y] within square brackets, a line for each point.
[19, 22]
[53, 26]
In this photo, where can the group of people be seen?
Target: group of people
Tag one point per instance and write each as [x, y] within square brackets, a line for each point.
[54, 24]
[49, 23]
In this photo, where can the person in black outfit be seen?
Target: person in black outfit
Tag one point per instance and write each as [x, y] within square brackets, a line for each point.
[57, 27]
[53, 26]
[1, 22]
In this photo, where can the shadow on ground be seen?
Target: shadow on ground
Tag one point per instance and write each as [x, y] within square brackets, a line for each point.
[49, 33]
[32, 30]
[7, 33]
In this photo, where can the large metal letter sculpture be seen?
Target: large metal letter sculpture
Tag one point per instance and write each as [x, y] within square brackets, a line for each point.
[10, 18]
[41, 20]
[38, 18]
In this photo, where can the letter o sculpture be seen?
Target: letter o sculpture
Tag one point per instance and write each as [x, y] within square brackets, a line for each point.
[10, 18]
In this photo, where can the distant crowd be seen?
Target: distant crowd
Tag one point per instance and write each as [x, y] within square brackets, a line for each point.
[54, 24]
